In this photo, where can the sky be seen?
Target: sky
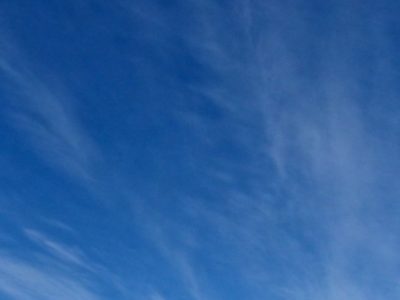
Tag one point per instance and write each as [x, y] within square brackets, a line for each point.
[199, 150]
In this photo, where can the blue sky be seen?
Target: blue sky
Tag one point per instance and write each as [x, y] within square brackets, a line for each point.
[199, 150]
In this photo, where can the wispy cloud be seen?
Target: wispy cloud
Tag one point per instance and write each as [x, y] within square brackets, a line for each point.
[156, 296]
[42, 109]
[55, 270]
[20, 279]
[297, 188]
[172, 248]
[313, 226]
[63, 252]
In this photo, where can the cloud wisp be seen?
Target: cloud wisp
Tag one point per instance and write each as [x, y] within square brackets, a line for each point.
[22, 280]
[314, 225]
[53, 271]
[43, 113]
[256, 154]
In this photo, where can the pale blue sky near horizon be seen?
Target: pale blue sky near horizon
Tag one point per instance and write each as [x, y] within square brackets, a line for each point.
[199, 150]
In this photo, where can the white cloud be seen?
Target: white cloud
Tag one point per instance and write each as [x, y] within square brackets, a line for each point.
[42, 109]
[156, 296]
[314, 214]
[26, 281]
[65, 253]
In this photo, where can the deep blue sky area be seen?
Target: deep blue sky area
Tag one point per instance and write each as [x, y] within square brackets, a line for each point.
[199, 150]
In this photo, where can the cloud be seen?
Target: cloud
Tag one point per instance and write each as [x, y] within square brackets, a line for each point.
[156, 296]
[171, 247]
[305, 210]
[42, 110]
[55, 270]
[330, 167]
[316, 224]
[26, 281]
[63, 252]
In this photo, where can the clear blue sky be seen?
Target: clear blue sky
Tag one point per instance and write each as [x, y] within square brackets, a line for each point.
[199, 150]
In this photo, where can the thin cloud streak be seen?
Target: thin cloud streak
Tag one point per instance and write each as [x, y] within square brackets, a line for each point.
[22, 280]
[44, 114]
[65, 253]
[302, 212]
[316, 132]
